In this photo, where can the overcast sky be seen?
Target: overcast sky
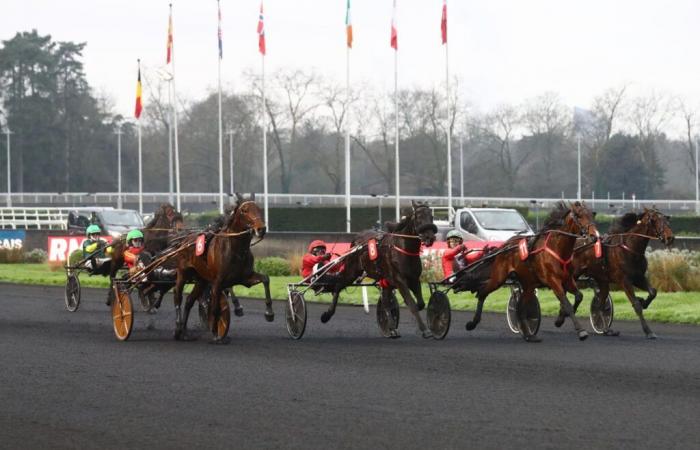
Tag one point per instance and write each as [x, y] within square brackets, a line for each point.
[502, 50]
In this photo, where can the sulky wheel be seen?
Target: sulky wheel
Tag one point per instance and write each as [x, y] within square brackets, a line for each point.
[529, 316]
[512, 310]
[388, 315]
[122, 314]
[224, 321]
[295, 314]
[72, 296]
[439, 315]
[602, 313]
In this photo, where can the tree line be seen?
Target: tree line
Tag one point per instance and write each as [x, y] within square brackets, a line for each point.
[64, 136]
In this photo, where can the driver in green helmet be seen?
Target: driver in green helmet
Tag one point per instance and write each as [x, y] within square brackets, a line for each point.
[96, 248]
[94, 243]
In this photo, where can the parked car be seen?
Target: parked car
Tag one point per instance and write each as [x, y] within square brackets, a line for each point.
[113, 222]
[485, 224]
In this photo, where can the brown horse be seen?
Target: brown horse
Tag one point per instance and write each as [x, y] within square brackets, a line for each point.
[397, 265]
[165, 223]
[623, 261]
[227, 261]
[548, 264]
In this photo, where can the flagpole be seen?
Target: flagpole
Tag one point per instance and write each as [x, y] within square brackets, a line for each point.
[448, 128]
[396, 122]
[221, 137]
[170, 141]
[347, 140]
[230, 158]
[177, 150]
[264, 130]
[140, 171]
[461, 170]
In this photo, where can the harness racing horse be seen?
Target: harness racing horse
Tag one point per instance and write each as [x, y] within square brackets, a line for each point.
[165, 223]
[546, 263]
[227, 261]
[623, 262]
[397, 263]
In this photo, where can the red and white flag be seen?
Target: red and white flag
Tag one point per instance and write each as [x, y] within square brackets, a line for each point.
[261, 31]
[394, 32]
[443, 22]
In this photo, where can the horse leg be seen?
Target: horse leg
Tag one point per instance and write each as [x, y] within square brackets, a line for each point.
[481, 298]
[527, 297]
[416, 289]
[237, 308]
[637, 304]
[385, 298]
[578, 298]
[326, 316]
[643, 283]
[215, 312]
[254, 279]
[408, 300]
[558, 290]
[197, 291]
[177, 299]
[603, 292]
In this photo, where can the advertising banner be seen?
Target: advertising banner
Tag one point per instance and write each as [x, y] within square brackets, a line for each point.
[60, 247]
[12, 239]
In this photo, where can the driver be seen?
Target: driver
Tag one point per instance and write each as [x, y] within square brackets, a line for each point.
[96, 248]
[134, 246]
[314, 260]
[453, 260]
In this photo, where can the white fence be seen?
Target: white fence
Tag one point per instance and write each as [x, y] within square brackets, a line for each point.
[207, 200]
[34, 218]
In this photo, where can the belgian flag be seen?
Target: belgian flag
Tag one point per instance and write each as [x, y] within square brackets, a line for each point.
[139, 105]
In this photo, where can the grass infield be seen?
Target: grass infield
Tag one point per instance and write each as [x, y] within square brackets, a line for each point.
[677, 307]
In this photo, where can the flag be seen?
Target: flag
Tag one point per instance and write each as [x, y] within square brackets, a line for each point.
[443, 22]
[348, 25]
[261, 31]
[139, 105]
[221, 45]
[394, 32]
[170, 37]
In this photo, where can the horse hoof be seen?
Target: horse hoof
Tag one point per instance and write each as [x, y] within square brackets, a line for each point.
[239, 311]
[532, 339]
[269, 315]
[559, 322]
[220, 340]
[610, 332]
[651, 336]
[427, 334]
[326, 316]
[420, 305]
[178, 335]
[582, 335]
[470, 326]
[394, 334]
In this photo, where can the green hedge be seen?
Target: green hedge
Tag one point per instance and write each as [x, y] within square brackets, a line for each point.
[273, 266]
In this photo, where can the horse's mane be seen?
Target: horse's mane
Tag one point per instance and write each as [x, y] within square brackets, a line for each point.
[222, 221]
[556, 216]
[624, 223]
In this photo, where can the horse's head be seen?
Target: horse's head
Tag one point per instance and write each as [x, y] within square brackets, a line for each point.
[580, 220]
[422, 217]
[657, 224]
[167, 217]
[247, 216]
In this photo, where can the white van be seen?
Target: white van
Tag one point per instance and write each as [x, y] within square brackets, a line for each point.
[485, 224]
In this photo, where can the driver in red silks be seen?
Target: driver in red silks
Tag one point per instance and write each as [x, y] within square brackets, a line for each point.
[453, 259]
[314, 260]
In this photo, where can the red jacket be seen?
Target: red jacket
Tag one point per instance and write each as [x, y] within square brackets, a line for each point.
[308, 263]
[131, 255]
[448, 259]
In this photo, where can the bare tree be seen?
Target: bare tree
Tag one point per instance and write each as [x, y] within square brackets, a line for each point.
[689, 117]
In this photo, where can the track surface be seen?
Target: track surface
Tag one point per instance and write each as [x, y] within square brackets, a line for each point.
[66, 382]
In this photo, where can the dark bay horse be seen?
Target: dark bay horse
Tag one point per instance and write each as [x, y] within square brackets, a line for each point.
[546, 265]
[397, 265]
[227, 261]
[166, 222]
[624, 262]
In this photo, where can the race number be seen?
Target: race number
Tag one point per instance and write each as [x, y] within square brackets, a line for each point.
[200, 245]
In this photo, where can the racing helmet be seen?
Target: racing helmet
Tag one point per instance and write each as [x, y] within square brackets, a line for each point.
[93, 229]
[134, 234]
[315, 244]
[453, 234]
